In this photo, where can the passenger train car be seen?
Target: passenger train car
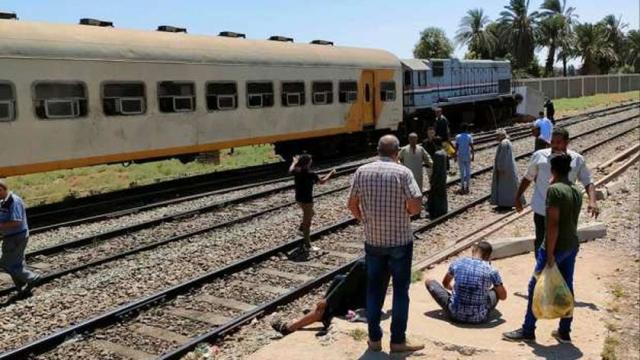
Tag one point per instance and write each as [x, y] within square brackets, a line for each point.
[86, 94]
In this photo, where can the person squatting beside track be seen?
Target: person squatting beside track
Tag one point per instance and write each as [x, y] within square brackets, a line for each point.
[305, 179]
[539, 171]
[15, 235]
[383, 196]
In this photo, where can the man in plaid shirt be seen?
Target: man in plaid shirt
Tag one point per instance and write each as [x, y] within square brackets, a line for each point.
[384, 195]
[477, 287]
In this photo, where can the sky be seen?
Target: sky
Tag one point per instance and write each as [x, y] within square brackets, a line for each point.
[383, 24]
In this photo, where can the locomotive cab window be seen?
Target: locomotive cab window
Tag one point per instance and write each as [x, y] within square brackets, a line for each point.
[348, 91]
[222, 96]
[438, 68]
[388, 91]
[60, 100]
[123, 99]
[293, 93]
[407, 78]
[259, 94]
[322, 92]
[174, 97]
[7, 102]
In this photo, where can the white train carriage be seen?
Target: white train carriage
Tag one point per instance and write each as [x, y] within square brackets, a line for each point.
[454, 85]
[76, 95]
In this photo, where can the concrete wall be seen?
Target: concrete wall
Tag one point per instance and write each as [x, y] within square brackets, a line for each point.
[577, 86]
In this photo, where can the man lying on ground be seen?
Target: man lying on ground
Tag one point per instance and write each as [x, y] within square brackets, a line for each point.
[477, 287]
[347, 292]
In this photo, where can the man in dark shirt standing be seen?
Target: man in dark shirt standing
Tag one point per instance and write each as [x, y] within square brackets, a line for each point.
[563, 203]
[442, 130]
[304, 180]
[551, 111]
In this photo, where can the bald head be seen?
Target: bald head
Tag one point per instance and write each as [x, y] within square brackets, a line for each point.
[388, 146]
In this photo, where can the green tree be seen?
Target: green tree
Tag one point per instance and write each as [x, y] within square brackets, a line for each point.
[614, 29]
[472, 33]
[500, 50]
[632, 44]
[593, 47]
[555, 31]
[519, 31]
[433, 44]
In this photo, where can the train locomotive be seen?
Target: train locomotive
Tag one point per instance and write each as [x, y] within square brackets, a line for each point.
[87, 94]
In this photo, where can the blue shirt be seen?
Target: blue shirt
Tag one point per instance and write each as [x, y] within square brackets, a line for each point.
[464, 142]
[12, 209]
[546, 129]
[473, 279]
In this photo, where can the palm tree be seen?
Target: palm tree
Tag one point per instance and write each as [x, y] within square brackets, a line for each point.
[633, 49]
[556, 30]
[593, 47]
[519, 32]
[472, 32]
[614, 27]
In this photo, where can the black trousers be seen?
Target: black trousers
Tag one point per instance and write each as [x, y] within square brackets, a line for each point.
[540, 224]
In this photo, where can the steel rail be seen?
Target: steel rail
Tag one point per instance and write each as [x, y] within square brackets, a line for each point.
[62, 272]
[459, 245]
[47, 217]
[51, 341]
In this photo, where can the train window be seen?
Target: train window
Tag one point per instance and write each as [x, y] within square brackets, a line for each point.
[60, 100]
[126, 98]
[422, 78]
[175, 96]
[407, 78]
[222, 96]
[293, 93]
[438, 68]
[7, 102]
[322, 92]
[348, 91]
[259, 94]
[388, 91]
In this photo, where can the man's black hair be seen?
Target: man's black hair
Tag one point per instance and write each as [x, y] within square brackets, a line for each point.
[304, 160]
[464, 127]
[484, 248]
[559, 131]
[541, 113]
[561, 165]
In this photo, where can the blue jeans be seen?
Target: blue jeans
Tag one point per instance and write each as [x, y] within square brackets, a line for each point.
[566, 261]
[465, 172]
[383, 263]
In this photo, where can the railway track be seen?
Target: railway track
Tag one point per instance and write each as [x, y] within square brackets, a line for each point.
[60, 259]
[259, 278]
[104, 206]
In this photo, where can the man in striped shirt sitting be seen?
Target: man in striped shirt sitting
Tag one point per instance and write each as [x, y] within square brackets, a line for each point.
[384, 195]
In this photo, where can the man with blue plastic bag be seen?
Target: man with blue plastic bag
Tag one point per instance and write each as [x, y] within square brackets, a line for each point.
[560, 248]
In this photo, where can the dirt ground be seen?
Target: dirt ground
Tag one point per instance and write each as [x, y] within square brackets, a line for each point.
[606, 324]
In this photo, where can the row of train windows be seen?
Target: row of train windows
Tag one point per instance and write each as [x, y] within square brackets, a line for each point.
[63, 100]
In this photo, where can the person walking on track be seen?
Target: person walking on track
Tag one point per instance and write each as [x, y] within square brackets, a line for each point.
[15, 235]
[542, 130]
[464, 155]
[383, 196]
[414, 157]
[304, 180]
[504, 184]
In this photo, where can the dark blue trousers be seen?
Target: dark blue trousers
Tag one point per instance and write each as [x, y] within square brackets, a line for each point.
[382, 264]
[566, 261]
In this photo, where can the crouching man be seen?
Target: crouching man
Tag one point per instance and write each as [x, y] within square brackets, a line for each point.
[477, 287]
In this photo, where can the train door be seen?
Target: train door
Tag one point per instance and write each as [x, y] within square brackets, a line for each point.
[368, 112]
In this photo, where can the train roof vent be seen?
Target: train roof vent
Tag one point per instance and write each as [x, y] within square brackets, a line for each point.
[95, 22]
[281, 38]
[172, 29]
[322, 42]
[232, 34]
[8, 16]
